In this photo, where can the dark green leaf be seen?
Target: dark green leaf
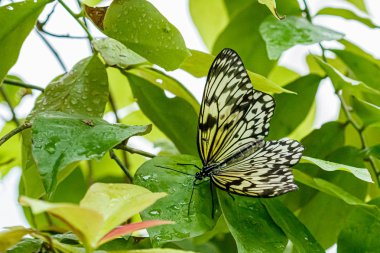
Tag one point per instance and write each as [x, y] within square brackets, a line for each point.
[296, 106]
[302, 239]
[251, 225]
[173, 116]
[210, 17]
[115, 53]
[351, 47]
[175, 206]
[282, 35]
[84, 90]
[347, 14]
[60, 139]
[373, 151]
[17, 19]
[27, 245]
[360, 233]
[142, 28]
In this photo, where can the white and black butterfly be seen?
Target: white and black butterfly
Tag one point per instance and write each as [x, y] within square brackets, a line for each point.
[233, 122]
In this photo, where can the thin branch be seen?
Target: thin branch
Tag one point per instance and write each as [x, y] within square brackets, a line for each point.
[14, 132]
[6, 98]
[85, 24]
[307, 11]
[75, 16]
[121, 165]
[346, 111]
[48, 16]
[65, 36]
[55, 53]
[21, 84]
[135, 151]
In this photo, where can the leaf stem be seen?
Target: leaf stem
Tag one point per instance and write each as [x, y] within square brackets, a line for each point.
[307, 11]
[21, 84]
[121, 165]
[14, 132]
[135, 151]
[75, 16]
[6, 98]
[55, 53]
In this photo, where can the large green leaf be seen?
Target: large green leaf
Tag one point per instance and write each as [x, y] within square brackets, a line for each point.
[301, 238]
[347, 14]
[10, 156]
[297, 105]
[282, 35]
[340, 193]
[11, 236]
[142, 28]
[173, 116]
[367, 112]
[363, 69]
[360, 233]
[18, 20]
[251, 225]
[60, 139]
[191, 218]
[242, 32]
[198, 65]
[84, 90]
[210, 17]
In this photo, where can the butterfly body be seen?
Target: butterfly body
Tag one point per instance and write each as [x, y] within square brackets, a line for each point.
[233, 122]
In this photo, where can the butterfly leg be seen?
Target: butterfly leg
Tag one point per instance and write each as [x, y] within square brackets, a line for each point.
[159, 166]
[212, 201]
[191, 197]
[233, 198]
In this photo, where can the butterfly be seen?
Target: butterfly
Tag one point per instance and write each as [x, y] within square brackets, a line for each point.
[233, 122]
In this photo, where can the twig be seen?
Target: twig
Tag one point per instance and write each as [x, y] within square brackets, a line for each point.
[135, 151]
[65, 36]
[6, 98]
[55, 53]
[307, 11]
[85, 24]
[14, 132]
[21, 84]
[48, 16]
[121, 165]
[75, 16]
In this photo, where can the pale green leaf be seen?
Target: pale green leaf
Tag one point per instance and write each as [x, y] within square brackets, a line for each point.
[271, 4]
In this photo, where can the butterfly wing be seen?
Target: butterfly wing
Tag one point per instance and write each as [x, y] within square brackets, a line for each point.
[263, 173]
[233, 115]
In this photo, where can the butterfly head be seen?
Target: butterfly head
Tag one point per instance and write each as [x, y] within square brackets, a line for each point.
[200, 175]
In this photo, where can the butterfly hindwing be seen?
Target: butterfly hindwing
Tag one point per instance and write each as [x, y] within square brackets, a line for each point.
[233, 115]
[265, 172]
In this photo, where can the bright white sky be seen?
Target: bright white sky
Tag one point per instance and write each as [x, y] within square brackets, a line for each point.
[37, 66]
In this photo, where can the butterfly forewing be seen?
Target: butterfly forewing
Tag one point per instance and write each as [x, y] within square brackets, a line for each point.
[264, 172]
[233, 115]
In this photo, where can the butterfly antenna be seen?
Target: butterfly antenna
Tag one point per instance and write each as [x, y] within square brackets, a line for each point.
[184, 164]
[191, 198]
[174, 170]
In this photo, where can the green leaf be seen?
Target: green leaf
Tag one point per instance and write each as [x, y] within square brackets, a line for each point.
[158, 251]
[363, 69]
[347, 14]
[175, 117]
[282, 35]
[298, 106]
[367, 112]
[12, 236]
[360, 4]
[116, 54]
[325, 226]
[351, 47]
[26, 245]
[91, 3]
[117, 202]
[360, 231]
[14, 93]
[301, 238]
[327, 187]
[141, 27]
[10, 156]
[282, 75]
[210, 17]
[175, 207]
[18, 20]
[198, 65]
[84, 90]
[246, 39]
[373, 151]
[341, 82]
[119, 89]
[60, 139]
[251, 225]
[271, 4]
[166, 82]
[361, 173]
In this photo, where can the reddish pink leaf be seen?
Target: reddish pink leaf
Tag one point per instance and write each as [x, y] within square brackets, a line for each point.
[129, 228]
